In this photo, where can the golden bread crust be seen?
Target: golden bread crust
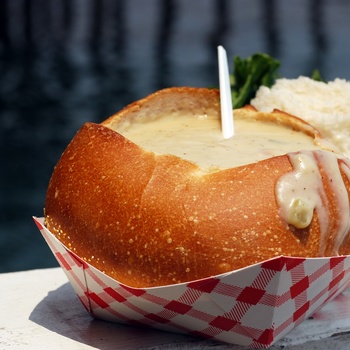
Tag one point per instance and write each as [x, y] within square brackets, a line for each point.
[150, 220]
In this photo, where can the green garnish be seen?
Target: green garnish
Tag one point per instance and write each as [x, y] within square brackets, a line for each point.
[316, 75]
[249, 74]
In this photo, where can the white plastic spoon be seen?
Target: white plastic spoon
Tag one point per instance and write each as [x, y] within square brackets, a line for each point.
[227, 122]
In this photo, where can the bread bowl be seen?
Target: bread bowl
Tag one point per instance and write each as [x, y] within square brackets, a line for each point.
[150, 219]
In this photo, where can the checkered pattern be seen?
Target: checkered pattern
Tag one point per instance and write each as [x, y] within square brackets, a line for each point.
[253, 307]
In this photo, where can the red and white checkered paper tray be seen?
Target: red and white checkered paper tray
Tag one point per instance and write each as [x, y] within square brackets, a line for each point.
[254, 306]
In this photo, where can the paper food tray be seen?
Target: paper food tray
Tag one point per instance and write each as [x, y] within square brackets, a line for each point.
[254, 306]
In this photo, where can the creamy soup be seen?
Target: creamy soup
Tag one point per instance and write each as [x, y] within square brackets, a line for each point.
[199, 139]
[299, 193]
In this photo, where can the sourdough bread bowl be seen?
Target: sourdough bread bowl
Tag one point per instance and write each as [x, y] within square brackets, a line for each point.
[150, 219]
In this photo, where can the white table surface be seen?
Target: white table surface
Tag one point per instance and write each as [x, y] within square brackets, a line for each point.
[39, 310]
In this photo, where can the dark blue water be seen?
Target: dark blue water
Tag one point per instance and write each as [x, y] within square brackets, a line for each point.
[64, 62]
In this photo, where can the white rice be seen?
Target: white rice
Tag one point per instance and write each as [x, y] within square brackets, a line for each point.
[324, 105]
